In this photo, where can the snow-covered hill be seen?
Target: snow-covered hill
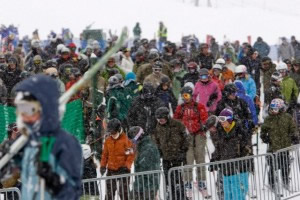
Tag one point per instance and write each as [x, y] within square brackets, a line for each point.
[234, 18]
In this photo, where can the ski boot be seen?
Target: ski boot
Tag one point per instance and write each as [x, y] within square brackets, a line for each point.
[188, 190]
[203, 189]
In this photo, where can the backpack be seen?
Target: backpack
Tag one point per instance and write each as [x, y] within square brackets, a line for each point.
[118, 105]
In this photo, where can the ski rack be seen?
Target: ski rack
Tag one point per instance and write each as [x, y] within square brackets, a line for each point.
[20, 143]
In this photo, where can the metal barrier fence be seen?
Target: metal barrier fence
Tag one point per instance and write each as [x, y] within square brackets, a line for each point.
[136, 186]
[287, 169]
[239, 179]
[10, 194]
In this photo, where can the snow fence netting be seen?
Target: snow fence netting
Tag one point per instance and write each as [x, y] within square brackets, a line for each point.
[72, 121]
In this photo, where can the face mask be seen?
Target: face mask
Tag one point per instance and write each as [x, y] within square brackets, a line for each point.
[186, 96]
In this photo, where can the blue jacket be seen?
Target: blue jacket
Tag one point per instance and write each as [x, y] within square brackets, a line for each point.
[66, 156]
[242, 94]
[263, 48]
[250, 86]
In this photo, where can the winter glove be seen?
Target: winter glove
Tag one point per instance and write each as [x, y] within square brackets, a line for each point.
[52, 179]
[123, 170]
[265, 138]
[102, 170]
[212, 167]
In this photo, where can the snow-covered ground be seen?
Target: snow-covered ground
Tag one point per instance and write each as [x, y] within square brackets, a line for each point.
[234, 18]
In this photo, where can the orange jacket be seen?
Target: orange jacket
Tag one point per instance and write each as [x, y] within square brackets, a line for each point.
[114, 156]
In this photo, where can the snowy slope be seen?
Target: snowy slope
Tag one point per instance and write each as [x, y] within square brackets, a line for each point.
[234, 18]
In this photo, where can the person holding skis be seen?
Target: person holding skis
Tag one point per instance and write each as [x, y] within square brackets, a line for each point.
[49, 152]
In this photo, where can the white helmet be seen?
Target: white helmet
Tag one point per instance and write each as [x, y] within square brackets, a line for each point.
[217, 66]
[220, 61]
[240, 69]
[281, 66]
[86, 151]
[59, 48]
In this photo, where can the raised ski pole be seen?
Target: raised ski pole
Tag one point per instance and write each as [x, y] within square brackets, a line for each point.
[20, 143]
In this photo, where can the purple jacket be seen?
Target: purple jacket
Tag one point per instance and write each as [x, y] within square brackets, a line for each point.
[203, 92]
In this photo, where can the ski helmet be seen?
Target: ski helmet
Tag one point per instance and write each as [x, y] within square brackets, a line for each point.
[113, 80]
[86, 151]
[240, 69]
[281, 67]
[277, 105]
[217, 66]
[162, 113]
[153, 56]
[220, 61]
[229, 89]
[226, 115]
[165, 80]
[51, 63]
[135, 133]
[157, 65]
[187, 90]
[120, 77]
[114, 126]
[211, 121]
[203, 74]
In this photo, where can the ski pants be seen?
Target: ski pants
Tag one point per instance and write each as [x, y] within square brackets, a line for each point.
[111, 186]
[235, 186]
[196, 153]
[177, 185]
[283, 164]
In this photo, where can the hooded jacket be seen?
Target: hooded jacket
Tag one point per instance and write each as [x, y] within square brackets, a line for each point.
[241, 93]
[250, 86]
[66, 156]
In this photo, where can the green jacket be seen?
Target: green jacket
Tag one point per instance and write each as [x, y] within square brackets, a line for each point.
[267, 77]
[176, 83]
[289, 89]
[146, 69]
[148, 159]
[105, 74]
[280, 129]
[296, 77]
[172, 140]
[117, 103]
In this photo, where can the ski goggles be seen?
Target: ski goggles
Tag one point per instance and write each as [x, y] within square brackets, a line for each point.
[282, 70]
[140, 133]
[203, 77]
[186, 96]
[37, 62]
[224, 118]
[28, 108]
[157, 69]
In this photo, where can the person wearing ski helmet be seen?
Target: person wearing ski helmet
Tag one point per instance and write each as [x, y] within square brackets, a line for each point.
[173, 142]
[267, 69]
[53, 73]
[38, 116]
[11, 74]
[205, 58]
[147, 159]
[89, 171]
[73, 77]
[143, 107]
[279, 131]
[229, 143]
[275, 90]
[217, 76]
[249, 84]
[117, 158]
[239, 107]
[178, 72]
[111, 65]
[165, 93]
[194, 115]
[206, 91]
[157, 75]
[289, 87]
[192, 74]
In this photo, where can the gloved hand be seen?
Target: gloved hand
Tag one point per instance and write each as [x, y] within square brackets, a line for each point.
[123, 170]
[211, 99]
[52, 179]
[102, 170]
[212, 167]
[265, 139]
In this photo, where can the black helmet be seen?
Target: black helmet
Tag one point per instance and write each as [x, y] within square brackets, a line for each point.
[135, 133]
[158, 64]
[287, 61]
[211, 121]
[276, 76]
[229, 89]
[187, 89]
[113, 80]
[114, 125]
[181, 53]
[162, 113]
[24, 75]
[165, 80]
[51, 63]
[148, 91]
[83, 65]
[75, 71]
[153, 56]
[144, 41]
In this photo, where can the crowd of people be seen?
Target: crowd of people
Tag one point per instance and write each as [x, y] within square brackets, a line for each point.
[154, 100]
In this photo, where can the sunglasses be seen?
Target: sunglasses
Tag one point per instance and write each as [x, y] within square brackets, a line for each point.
[224, 118]
[282, 70]
[157, 70]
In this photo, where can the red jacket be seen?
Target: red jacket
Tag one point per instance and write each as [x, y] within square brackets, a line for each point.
[193, 115]
[219, 82]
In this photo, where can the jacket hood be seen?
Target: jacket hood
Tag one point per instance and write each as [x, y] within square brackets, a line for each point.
[45, 89]
[240, 87]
